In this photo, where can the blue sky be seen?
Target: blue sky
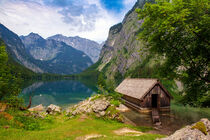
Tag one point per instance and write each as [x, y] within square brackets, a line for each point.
[86, 18]
[113, 5]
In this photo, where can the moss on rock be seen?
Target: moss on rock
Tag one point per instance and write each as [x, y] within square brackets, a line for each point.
[200, 126]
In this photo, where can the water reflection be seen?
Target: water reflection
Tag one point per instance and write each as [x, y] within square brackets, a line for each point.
[178, 117]
[56, 92]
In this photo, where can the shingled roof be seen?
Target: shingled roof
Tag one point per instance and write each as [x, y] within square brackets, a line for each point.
[137, 88]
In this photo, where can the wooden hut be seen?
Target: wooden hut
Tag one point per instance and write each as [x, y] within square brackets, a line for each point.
[145, 94]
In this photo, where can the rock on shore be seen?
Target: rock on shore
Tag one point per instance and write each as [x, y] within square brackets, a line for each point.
[98, 105]
[51, 109]
[38, 108]
[196, 131]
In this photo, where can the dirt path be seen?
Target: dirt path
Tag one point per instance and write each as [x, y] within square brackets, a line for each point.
[90, 136]
[128, 132]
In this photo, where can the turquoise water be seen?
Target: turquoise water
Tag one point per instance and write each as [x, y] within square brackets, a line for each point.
[60, 93]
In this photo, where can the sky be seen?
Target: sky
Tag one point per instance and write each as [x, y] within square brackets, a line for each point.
[89, 19]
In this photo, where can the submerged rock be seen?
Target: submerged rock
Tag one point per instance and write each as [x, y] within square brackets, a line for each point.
[192, 132]
[38, 108]
[51, 109]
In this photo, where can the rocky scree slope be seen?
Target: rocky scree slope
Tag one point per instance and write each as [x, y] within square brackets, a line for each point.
[122, 52]
[89, 47]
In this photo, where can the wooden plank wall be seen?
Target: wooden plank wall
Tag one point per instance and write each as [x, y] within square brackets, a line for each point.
[133, 100]
[163, 98]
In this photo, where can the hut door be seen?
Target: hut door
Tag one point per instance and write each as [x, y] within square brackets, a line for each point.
[154, 100]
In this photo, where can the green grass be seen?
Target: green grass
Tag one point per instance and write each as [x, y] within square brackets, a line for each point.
[62, 128]
[191, 112]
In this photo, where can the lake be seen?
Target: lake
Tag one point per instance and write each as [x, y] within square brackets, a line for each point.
[62, 93]
[69, 92]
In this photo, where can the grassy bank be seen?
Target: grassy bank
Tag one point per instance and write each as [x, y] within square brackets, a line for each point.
[61, 127]
[190, 113]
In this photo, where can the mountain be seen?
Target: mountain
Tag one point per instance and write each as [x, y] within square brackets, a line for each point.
[55, 56]
[89, 47]
[122, 54]
[43, 56]
[16, 49]
[16, 68]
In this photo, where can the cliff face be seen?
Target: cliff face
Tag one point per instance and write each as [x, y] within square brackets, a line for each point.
[121, 51]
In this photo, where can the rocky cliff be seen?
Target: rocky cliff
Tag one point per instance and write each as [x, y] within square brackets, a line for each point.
[122, 51]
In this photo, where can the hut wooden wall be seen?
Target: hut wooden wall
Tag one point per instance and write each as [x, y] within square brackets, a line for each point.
[132, 100]
[163, 98]
[147, 101]
[162, 101]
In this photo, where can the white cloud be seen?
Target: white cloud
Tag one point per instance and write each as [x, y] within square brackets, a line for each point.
[128, 4]
[24, 17]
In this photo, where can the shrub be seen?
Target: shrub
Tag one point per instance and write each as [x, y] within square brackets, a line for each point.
[95, 97]
[115, 102]
[29, 123]
[115, 95]
[113, 114]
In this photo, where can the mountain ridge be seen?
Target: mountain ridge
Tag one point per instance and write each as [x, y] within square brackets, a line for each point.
[16, 49]
[58, 57]
[89, 47]
[32, 53]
